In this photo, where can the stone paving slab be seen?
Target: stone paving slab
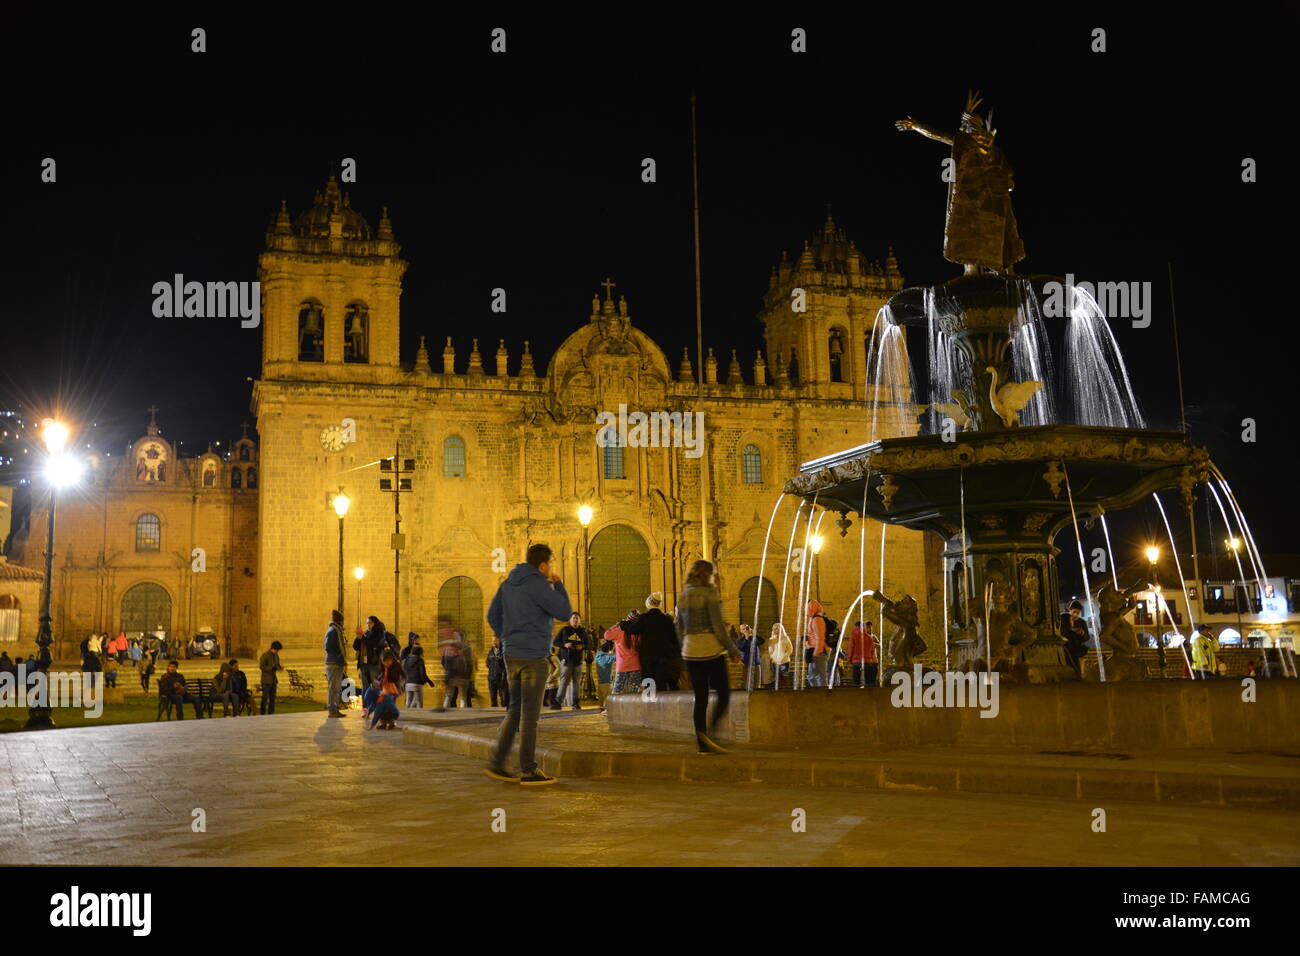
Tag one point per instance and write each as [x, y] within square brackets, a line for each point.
[587, 748]
[301, 789]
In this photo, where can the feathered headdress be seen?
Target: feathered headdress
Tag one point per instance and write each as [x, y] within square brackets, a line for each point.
[971, 121]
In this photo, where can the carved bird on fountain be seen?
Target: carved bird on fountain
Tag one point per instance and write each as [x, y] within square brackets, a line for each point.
[954, 410]
[1008, 400]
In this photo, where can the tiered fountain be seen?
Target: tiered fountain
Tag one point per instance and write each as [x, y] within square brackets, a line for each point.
[1008, 459]
[996, 489]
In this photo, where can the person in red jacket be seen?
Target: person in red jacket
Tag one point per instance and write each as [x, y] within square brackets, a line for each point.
[862, 654]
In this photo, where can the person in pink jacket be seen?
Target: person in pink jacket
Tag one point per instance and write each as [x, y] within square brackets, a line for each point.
[627, 656]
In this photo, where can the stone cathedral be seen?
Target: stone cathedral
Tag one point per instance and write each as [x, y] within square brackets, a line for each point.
[482, 451]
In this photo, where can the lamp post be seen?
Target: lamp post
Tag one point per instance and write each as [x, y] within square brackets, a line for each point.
[61, 470]
[341, 504]
[1233, 545]
[358, 573]
[584, 518]
[1153, 557]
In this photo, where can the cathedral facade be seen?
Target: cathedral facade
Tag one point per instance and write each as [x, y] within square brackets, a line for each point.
[480, 452]
[456, 459]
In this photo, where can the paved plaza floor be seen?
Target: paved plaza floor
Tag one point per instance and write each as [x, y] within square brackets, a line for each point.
[300, 789]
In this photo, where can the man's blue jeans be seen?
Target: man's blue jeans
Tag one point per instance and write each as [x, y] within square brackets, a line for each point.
[527, 677]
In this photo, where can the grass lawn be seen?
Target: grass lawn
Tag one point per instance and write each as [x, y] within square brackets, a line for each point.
[134, 711]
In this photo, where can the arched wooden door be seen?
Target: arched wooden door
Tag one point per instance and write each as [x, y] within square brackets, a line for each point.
[620, 574]
[147, 608]
[767, 605]
[460, 603]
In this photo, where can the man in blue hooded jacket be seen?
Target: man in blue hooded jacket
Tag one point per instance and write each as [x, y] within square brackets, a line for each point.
[529, 599]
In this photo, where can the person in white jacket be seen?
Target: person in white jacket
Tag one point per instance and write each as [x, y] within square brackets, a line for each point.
[778, 651]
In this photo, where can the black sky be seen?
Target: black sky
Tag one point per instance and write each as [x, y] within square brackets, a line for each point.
[522, 171]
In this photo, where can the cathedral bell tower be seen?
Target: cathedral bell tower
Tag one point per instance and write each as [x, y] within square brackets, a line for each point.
[822, 345]
[330, 294]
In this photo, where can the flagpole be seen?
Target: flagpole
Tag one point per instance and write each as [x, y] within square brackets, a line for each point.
[699, 342]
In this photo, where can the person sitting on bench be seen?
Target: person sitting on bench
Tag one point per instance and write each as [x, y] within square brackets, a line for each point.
[172, 685]
[237, 688]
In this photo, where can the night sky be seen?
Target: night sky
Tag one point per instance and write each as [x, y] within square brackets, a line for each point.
[523, 171]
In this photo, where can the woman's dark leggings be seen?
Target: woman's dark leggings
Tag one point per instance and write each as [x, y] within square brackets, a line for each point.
[706, 676]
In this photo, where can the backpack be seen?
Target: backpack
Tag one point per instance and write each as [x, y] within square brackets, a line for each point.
[832, 630]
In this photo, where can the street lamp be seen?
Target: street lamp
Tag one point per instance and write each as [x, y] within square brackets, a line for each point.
[341, 503]
[358, 573]
[584, 518]
[1233, 544]
[61, 471]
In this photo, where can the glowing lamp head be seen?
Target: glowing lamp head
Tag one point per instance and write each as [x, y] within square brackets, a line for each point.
[1153, 554]
[341, 504]
[1233, 543]
[358, 573]
[63, 470]
[584, 515]
[54, 435]
[815, 543]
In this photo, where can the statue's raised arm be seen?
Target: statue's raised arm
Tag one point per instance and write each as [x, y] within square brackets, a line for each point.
[927, 131]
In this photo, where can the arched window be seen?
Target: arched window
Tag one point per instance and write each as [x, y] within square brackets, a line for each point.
[356, 333]
[236, 478]
[614, 461]
[148, 533]
[835, 348]
[252, 477]
[243, 453]
[311, 332]
[453, 457]
[753, 465]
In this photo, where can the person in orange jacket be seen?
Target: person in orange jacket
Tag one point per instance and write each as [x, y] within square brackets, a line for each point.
[815, 639]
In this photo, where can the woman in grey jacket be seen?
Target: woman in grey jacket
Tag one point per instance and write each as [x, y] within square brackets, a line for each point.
[705, 648]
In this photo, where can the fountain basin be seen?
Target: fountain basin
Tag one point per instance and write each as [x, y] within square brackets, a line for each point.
[998, 499]
[1013, 479]
[1173, 715]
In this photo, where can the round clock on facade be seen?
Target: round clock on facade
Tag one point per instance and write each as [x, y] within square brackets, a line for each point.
[331, 438]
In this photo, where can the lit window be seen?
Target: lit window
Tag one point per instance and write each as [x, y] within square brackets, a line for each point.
[614, 461]
[453, 457]
[148, 533]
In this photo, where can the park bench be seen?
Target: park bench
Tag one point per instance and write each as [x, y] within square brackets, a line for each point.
[299, 687]
[200, 688]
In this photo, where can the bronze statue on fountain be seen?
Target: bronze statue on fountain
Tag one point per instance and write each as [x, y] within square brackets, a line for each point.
[1117, 635]
[998, 491]
[906, 643]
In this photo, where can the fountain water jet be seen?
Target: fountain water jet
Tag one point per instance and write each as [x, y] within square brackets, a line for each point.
[1182, 582]
[758, 598]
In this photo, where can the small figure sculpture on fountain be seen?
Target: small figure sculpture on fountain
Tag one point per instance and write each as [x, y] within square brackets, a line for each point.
[906, 644]
[1117, 634]
[980, 232]
[1008, 634]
